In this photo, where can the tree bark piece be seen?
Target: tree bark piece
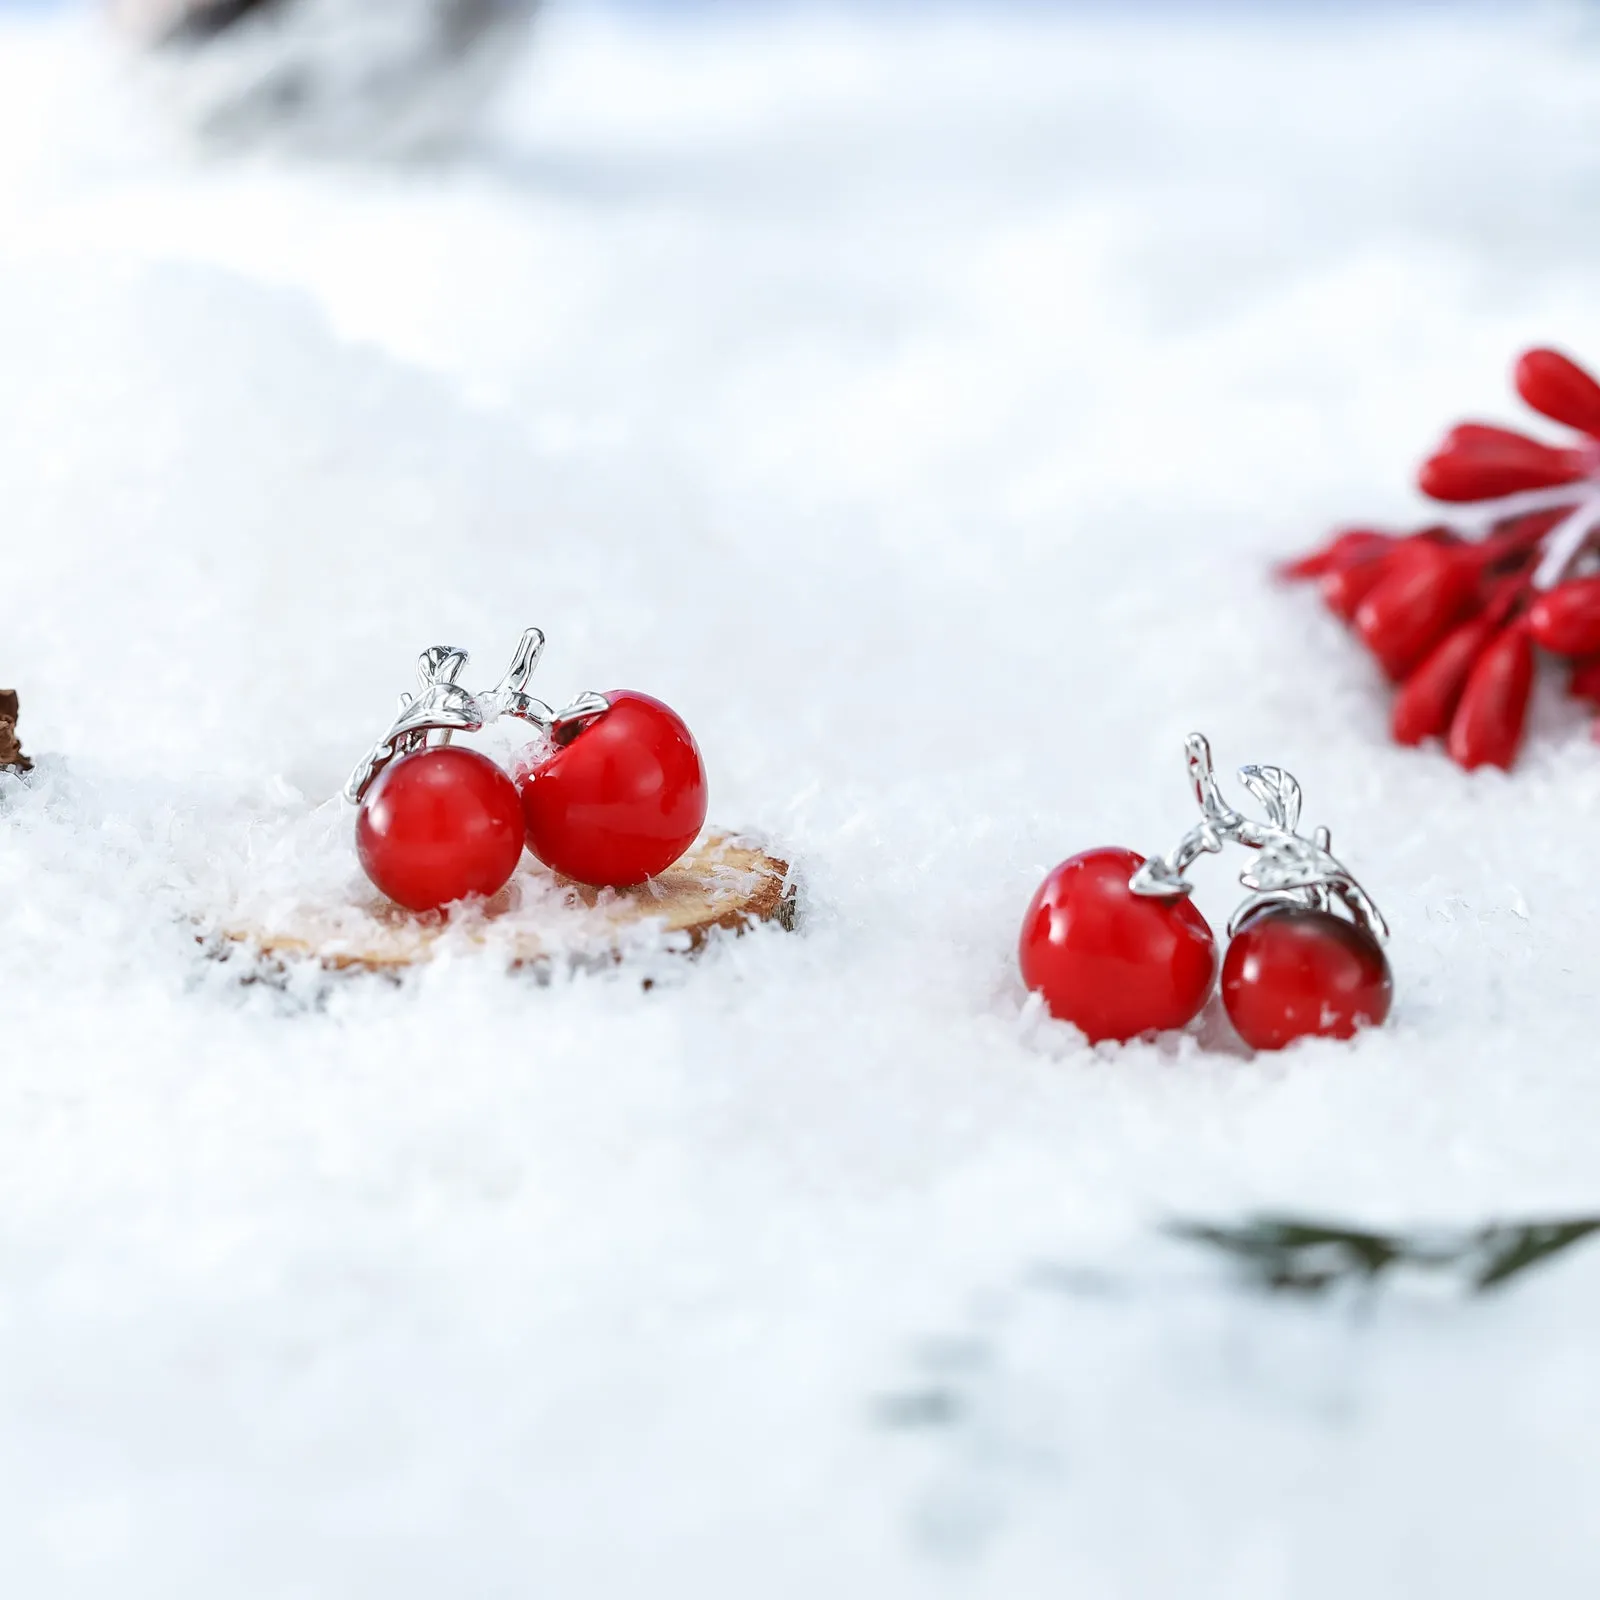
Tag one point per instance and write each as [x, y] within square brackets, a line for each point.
[11, 756]
[725, 882]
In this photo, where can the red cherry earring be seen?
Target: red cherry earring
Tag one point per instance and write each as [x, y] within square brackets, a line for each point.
[1113, 943]
[615, 792]
[1305, 954]
[436, 822]
[1297, 968]
[1114, 960]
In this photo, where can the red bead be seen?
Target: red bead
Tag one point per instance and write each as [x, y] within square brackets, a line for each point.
[1424, 589]
[1477, 462]
[1560, 388]
[1424, 706]
[1115, 963]
[1566, 619]
[1294, 973]
[1486, 730]
[438, 826]
[621, 800]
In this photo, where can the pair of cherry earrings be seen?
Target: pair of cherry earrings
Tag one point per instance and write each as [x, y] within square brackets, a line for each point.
[611, 793]
[1114, 945]
[614, 791]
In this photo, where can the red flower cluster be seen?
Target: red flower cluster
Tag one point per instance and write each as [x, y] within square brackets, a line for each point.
[1452, 614]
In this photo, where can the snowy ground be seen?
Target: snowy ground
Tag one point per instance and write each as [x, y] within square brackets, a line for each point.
[915, 406]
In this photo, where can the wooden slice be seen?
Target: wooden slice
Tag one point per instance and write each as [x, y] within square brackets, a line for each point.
[11, 756]
[725, 882]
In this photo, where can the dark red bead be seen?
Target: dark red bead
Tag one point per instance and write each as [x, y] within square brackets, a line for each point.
[1566, 620]
[1114, 963]
[1552, 383]
[1486, 730]
[619, 802]
[438, 826]
[1294, 973]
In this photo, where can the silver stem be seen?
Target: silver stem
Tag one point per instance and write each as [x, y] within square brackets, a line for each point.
[1289, 868]
[442, 708]
[1566, 542]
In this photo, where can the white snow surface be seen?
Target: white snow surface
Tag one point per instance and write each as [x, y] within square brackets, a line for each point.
[915, 403]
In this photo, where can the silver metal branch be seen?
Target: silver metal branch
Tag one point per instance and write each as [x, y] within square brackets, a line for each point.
[569, 721]
[509, 697]
[442, 708]
[1289, 868]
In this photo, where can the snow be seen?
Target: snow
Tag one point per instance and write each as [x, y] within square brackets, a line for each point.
[915, 404]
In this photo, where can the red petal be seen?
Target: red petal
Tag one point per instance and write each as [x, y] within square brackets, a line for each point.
[1486, 730]
[1424, 589]
[1479, 462]
[1345, 588]
[1566, 620]
[1557, 386]
[1354, 544]
[1423, 708]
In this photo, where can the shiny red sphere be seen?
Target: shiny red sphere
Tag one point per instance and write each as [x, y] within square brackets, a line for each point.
[440, 825]
[1294, 973]
[1114, 963]
[620, 801]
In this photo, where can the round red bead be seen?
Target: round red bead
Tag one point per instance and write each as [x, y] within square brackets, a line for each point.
[1294, 973]
[620, 801]
[1114, 963]
[440, 825]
